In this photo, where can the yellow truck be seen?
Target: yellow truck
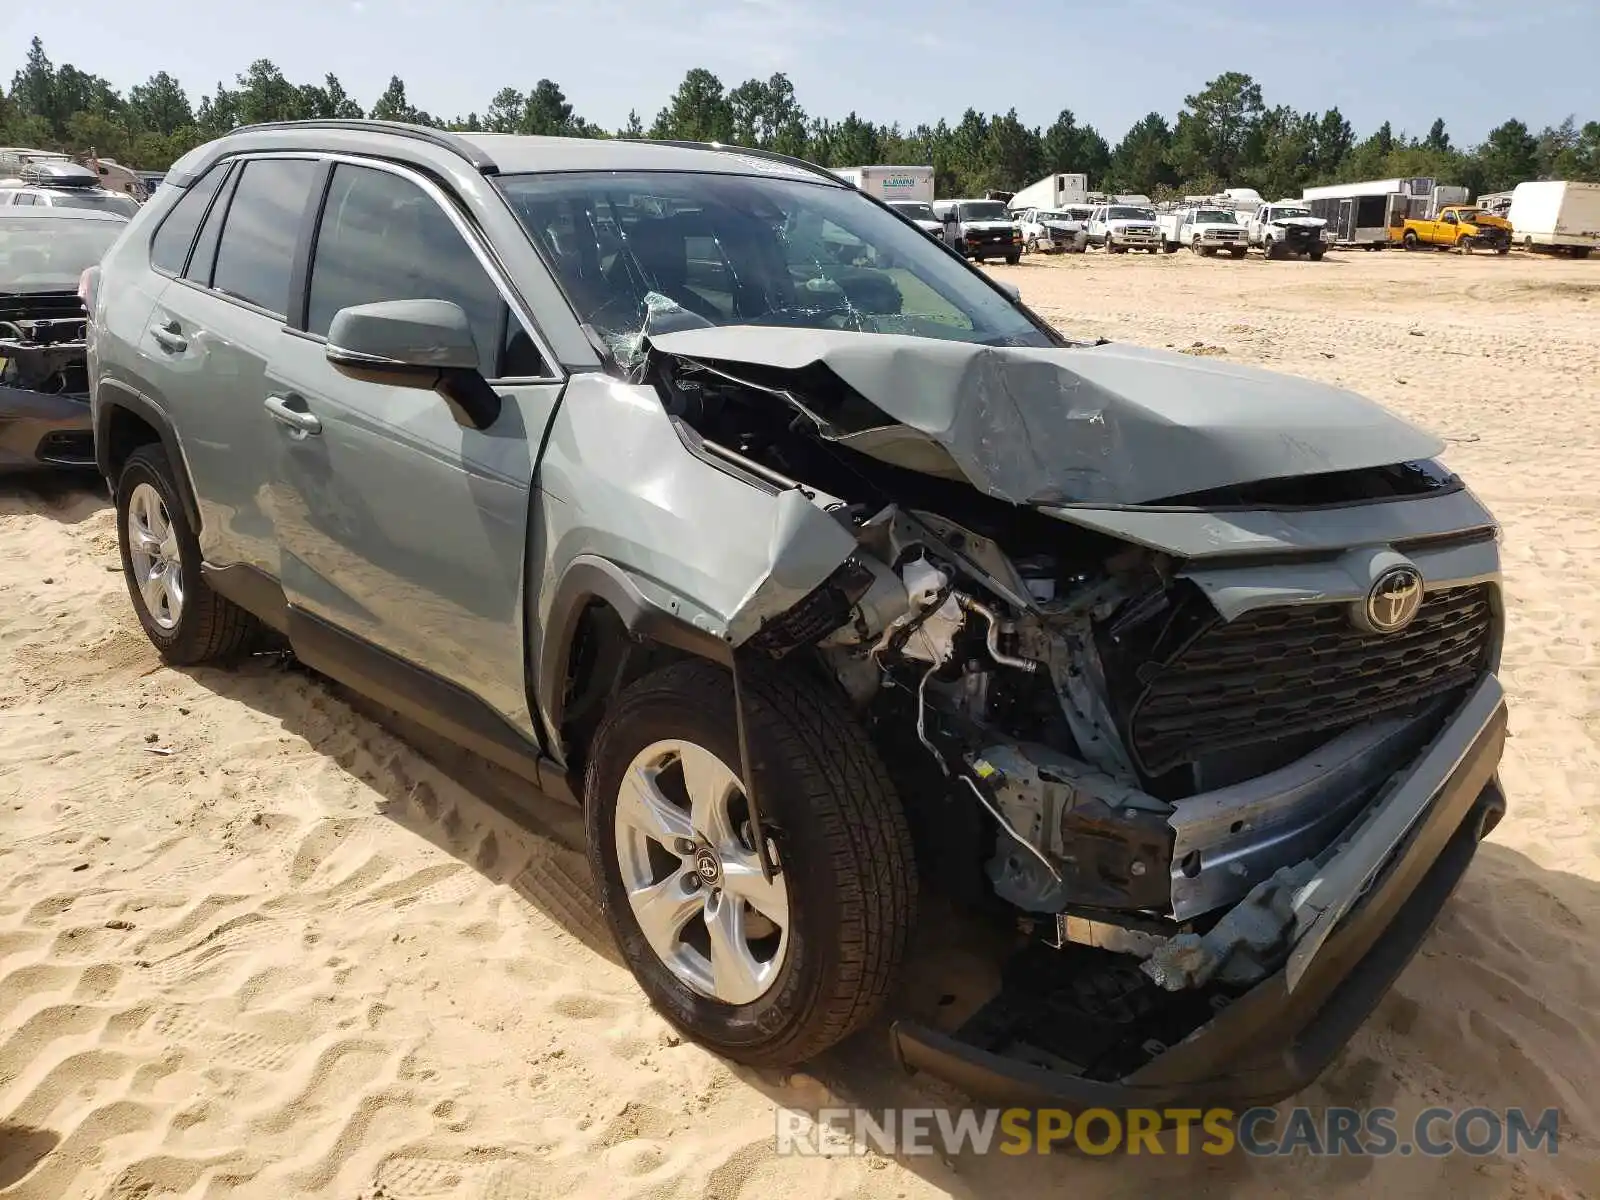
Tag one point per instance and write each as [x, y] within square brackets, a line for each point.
[1457, 226]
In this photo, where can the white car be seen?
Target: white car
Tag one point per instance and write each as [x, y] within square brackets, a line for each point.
[1054, 230]
[1205, 230]
[921, 213]
[1119, 228]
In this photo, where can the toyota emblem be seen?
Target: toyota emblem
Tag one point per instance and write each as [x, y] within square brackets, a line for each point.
[1393, 600]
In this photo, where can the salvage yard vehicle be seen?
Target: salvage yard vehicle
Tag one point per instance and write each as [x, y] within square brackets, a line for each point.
[1556, 216]
[1458, 227]
[1053, 231]
[983, 229]
[1287, 229]
[1206, 231]
[821, 580]
[921, 214]
[44, 381]
[1118, 228]
[65, 185]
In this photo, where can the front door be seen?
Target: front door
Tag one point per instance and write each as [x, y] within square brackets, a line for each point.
[397, 525]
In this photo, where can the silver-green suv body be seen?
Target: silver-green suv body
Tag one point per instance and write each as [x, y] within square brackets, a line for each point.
[699, 488]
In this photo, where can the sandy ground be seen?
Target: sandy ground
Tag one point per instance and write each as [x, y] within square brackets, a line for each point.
[295, 957]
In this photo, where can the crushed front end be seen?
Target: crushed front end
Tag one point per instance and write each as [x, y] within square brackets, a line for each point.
[1212, 757]
[44, 385]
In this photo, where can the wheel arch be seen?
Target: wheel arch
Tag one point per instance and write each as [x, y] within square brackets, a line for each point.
[125, 420]
[602, 631]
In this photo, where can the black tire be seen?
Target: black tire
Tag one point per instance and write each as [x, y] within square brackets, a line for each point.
[842, 839]
[1014, 258]
[1410, 240]
[1170, 247]
[1031, 246]
[1467, 244]
[1579, 251]
[1315, 255]
[210, 628]
[1502, 249]
[1238, 251]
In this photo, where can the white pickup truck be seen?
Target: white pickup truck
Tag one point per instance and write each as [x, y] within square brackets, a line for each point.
[1287, 229]
[1205, 230]
[1123, 227]
[1055, 230]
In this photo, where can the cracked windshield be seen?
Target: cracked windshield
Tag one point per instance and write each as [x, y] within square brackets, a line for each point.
[653, 252]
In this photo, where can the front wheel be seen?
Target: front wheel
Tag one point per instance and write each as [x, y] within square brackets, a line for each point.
[1467, 245]
[770, 973]
[1237, 251]
[184, 619]
[1031, 246]
[1316, 254]
[1014, 258]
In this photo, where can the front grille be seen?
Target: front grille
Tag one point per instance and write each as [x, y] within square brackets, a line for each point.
[1279, 672]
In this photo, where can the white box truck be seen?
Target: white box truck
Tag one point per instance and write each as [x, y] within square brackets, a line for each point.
[891, 183]
[1555, 215]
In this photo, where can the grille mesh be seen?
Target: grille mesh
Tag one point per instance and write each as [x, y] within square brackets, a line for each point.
[1278, 672]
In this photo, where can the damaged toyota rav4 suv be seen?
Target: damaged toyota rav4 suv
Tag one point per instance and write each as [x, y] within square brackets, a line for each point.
[703, 490]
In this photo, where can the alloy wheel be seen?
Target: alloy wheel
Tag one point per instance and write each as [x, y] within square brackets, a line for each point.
[692, 875]
[153, 551]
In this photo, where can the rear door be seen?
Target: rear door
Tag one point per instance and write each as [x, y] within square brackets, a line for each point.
[229, 255]
[398, 527]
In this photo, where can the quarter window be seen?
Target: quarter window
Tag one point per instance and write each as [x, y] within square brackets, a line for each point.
[381, 237]
[204, 254]
[169, 249]
[256, 253]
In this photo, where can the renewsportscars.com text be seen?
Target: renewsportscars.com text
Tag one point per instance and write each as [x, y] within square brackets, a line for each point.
[1259, 1132]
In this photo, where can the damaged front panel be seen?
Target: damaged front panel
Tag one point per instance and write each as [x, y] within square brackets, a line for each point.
[1092, 425]
[1010, 561]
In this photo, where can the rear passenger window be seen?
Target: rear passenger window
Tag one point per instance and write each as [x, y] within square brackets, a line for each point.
[256, 253]
[382, 237]
[169, 249]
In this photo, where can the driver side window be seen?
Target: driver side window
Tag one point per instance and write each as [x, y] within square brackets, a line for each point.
[381, 237]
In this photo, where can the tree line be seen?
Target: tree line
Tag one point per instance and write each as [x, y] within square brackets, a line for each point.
[1224, 136]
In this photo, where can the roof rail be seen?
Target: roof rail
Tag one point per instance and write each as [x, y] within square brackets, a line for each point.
[444, 139]
[770, 155]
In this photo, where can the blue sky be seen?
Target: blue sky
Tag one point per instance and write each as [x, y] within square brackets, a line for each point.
[1474, 62]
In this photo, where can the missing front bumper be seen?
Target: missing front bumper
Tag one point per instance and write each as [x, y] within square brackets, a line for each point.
[1260, 1046]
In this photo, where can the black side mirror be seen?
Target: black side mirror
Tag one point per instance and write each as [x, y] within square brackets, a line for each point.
[415, 344]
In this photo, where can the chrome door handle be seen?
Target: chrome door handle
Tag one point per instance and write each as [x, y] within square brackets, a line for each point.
[297, 419]
[170, 337]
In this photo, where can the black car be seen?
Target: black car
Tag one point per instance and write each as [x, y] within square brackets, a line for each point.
[44, 382]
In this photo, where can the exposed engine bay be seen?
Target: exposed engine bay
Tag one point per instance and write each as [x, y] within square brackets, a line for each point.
[1138, 773]
[42, 350]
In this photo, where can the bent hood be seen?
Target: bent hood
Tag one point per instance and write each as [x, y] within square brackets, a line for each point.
[1109, 424]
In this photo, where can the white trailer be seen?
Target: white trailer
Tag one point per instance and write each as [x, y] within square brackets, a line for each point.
[1052, 192]
[1553, 214]
[891, 183]
[1362, 214]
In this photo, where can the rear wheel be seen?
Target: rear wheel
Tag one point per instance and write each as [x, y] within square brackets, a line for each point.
[184, 619]
[1580, 251]
[1410, 240]
[1014, 258]
[769, 973]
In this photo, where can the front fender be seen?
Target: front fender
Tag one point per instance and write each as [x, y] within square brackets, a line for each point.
[687, 547]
